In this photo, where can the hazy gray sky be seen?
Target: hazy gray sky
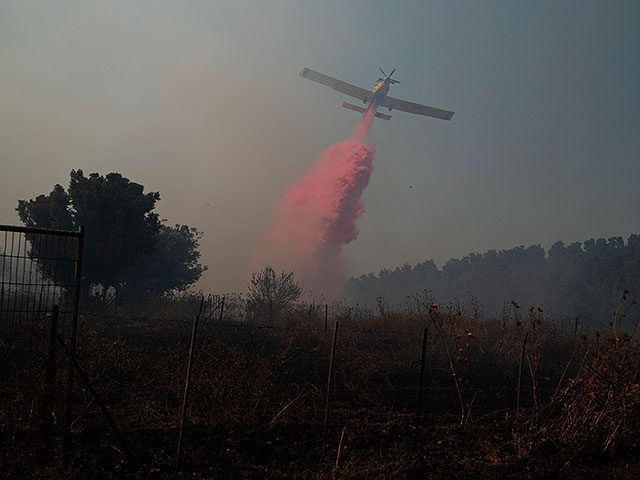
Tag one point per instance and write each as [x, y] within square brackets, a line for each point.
[202, 101]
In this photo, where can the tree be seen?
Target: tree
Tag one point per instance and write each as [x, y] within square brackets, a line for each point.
[126, 246]
[172, 266]
[270, 293]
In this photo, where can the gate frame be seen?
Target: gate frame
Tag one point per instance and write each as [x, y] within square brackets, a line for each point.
[79, 234]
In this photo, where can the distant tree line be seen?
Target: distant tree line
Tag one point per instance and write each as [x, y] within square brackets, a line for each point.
[582, 279]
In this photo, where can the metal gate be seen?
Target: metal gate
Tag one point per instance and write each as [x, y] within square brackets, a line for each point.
[40, 272]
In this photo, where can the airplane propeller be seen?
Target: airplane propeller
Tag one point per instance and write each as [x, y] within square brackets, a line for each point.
[388, 77]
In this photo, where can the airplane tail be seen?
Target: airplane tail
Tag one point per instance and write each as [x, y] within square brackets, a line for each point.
[362, 110]
[383, 116]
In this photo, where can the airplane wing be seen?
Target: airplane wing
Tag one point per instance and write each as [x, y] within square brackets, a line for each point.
[338, 85]
[416, 108]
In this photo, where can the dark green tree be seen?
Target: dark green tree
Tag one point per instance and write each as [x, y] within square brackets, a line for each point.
[173, 266]
[125, 242]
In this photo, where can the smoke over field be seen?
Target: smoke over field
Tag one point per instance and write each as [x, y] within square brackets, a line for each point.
[317, 214]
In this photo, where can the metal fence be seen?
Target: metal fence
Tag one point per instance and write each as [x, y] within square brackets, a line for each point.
[39, 298]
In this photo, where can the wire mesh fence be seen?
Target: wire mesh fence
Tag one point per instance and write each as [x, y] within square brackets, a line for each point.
[37, 271]
[39, 294]
[263, 375]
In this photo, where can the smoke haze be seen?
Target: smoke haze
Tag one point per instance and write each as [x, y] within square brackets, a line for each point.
[202, 102]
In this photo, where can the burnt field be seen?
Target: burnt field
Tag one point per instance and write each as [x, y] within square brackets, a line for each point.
[516, 398]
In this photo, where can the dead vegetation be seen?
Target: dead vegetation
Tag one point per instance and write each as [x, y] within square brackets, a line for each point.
[513, 398]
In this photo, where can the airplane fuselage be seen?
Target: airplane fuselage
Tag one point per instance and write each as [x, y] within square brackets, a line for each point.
[380, 90]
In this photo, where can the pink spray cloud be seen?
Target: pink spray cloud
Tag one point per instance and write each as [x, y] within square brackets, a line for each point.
[316, 216]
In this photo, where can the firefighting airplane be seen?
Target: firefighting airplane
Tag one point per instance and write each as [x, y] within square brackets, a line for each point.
[376, 97]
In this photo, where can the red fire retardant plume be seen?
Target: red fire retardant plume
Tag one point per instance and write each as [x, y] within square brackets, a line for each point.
[317, 214]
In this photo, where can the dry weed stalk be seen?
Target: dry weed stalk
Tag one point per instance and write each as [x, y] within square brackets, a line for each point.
[598, 411]
[438, 321]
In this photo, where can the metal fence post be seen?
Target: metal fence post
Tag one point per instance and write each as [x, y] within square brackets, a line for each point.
[419, 405]
[66, 438]
[221, 310]
[327, 404]
[46, 418]
[186, 385]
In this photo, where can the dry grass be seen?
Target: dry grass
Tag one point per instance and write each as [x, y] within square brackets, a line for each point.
[257, 398]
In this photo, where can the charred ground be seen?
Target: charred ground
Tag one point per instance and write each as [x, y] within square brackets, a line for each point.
[257, 399]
